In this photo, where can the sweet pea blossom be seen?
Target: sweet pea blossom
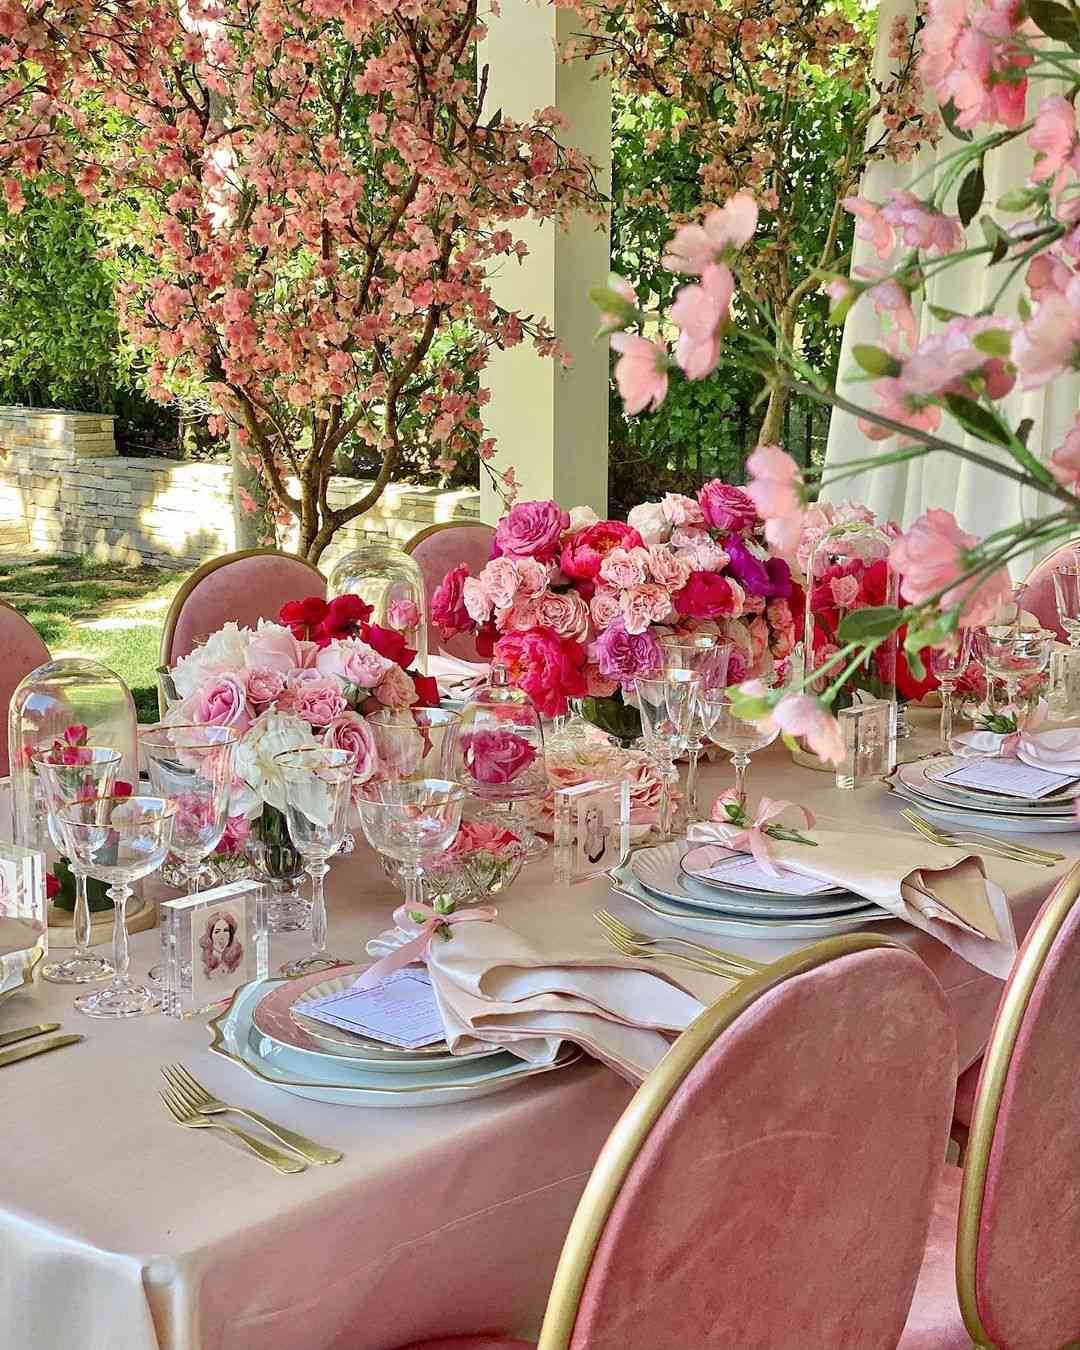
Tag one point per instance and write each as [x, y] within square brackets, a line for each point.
[1065, 459]
[695, 247]
[920, 225]
[1049, 343]
[801, 715]
[775, 487]
[871, 226]
[970, 57]
[932, 558]
[1054, 140]
[701, 314]
[640, 372]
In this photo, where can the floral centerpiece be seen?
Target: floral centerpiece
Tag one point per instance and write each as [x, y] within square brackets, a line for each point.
[574, 607]
[575, 760]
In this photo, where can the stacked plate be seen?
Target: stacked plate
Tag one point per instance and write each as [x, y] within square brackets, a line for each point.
[266, 1032]
[926, 784]
[673, 880]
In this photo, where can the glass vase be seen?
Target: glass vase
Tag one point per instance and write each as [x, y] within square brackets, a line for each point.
[277, 862]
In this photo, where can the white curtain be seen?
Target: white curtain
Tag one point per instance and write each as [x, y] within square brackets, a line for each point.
[982, 500]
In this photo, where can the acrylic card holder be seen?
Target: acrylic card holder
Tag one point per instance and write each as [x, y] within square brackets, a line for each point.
[211, 944]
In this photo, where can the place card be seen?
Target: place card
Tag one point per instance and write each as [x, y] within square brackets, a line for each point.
[1010, 777]
[742, 869]
[400, 1010]
[212, 944]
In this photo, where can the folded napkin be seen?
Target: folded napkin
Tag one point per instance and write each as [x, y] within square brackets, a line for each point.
[497, 986]
[955, 902]
[451, 671]
[1056, 751]
[18, 935]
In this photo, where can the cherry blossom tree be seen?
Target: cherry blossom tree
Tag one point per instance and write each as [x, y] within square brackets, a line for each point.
[323, 194]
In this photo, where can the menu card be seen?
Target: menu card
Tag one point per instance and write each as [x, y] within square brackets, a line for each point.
[400, 1010]
[1010, 777]
[742, 870]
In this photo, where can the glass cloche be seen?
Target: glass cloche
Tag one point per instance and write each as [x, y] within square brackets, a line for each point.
[389, 579]
[71, 702]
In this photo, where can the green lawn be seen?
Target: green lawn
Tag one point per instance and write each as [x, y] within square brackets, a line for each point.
[101, 611]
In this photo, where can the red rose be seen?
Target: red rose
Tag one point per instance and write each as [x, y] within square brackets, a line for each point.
[302, 617]
[389, 642]
[707, 595]
[344, 616]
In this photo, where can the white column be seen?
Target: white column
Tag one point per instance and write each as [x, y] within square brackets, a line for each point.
[551, 423]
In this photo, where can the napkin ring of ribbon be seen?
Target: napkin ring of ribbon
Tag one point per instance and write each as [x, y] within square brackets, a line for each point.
[418, 947]
[1008, 745]
[752, 836]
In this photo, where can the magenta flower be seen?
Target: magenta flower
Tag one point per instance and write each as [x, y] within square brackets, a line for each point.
[496, 756]
[708, 596]
[725, 507]
[694, 247]
[621, 655]
[640, 372]
[932, 558]
[448, 612]
[531, 530]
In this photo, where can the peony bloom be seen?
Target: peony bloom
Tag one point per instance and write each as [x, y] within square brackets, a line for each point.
[641, 372]
[583, 552]
[932, 557]
[801, 715]
[708, 596]
[531, 530]
[548, 668]
[222, 653]
[350, 732]
[651, 523]
[701, 314]
[775, 488]
[448, 612]
[353, 662]
[621, 655]
[254, 763]
[695, 247]
[726, 508]
[497, 755]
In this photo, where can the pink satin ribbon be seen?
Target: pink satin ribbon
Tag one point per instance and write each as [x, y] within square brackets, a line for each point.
[416, 949]
[753, 837]
[1009, 745]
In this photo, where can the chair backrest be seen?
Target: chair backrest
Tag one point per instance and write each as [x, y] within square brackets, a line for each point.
[21, 651]
[437, 550]
[242, 587]
[1018, 1238]
[771, 1182]
[1039, 598]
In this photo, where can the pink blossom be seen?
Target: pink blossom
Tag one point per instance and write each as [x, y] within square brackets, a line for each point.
[701, 313]
[220, 702]
[548, 668]
[475, 600]
[274, 648]
[970, 58]
[644, 605]
[565, 613]
[892, 302]
[499, 582]
[1049, 343]
[845, 591]
[872, 227]
[532, 529]
[899, 404]
[1047, 275]
[404, 614]
[775, 487]
[349, 731]
[668, 569]
[1065, 459]
[353, 662]
[921, 226]
[395, 689]
[725, 507]
[933, 556]
[621, 655]
[695, 247]
[263, 684]
[640, 372]
[625, 567]
[520, 616]
[1053, 138]
[448, 612]
[318, 701]
[497, 755]
[604, 606]
[801, 715]
[610, 322]
[681, 510]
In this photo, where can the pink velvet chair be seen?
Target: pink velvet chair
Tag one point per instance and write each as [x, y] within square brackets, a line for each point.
[240, 587]
[771, 1182]
[1004, 1249]
[1039, 598]
[437, 550]
[21, 651]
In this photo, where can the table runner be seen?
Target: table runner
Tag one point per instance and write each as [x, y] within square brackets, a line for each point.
[120, 1231]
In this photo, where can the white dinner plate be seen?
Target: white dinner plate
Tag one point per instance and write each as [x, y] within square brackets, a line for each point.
[233, 1036]
[985, 820]
[664, 861]
[756, 930]
[937, 767]
[920, 777]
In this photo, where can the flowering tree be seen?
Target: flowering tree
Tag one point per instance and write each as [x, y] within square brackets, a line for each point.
[323, 194]
[980, 60]
[774, 99]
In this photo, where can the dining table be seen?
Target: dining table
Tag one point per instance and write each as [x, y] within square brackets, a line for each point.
[121, 1231]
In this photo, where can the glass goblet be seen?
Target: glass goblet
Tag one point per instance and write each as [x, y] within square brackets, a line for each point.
[683, 694]
[416, 742]
[118, 840]
[660, 737]
[413, 820]
[318, 793]
[740, 736]
[75, 774]
[948, 663]
[1013, 654]
[1067, 595]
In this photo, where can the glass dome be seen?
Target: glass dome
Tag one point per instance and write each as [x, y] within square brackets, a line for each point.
[73, 702]
[390, 581]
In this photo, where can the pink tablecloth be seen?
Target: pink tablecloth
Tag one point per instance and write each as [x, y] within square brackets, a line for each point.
[119, 1231]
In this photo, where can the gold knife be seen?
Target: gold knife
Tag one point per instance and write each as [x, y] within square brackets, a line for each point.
[24, 1033]
[37, 1048]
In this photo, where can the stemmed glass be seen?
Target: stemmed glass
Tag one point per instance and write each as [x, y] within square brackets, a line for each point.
[118, 840]
[660, 735]
[1067, 594]
[415, 743]
[73, 774]
[707, 658]
[948, 663]
[413, 820]
[318, 793]
[739, 735]
[192, 765]
[1012, 654]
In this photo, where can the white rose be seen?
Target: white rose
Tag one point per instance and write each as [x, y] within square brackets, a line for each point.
[222, 652]
[270, 735]
[582, 516]
[650, 522]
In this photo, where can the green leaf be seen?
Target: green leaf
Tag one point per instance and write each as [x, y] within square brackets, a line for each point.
[870, 625]
[1019, 199]
[971, 194]
[916, 665]
[948, 116]
[747, 707]
[994, 342]
[977, 420]
[1054, 20]
[1023, 308]
[996, 237]
[875, 360]
[940, 312]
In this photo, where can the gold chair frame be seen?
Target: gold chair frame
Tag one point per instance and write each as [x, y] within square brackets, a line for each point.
[429, 530]
[995, 1072]
[635, 1124]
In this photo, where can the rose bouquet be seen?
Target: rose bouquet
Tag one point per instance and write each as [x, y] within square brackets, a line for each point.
[574, 607]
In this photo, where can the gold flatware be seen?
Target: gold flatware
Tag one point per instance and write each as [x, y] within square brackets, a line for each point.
[24, 1033]
[740, 965]
[37, 1048]
[985, 843]
[642, 953]
[195, 1096]
[194, 1120]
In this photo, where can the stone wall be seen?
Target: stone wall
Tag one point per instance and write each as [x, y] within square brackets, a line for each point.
[64, 489]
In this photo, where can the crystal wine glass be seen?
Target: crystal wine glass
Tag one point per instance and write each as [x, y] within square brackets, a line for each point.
[737, 734]
[660, 735]
[1012, 654]
[413, 820]
[75, 774]
[416, 742]
[1067, 594]
[118, 840]
[318, 793]
[948, 663]
[706, 657]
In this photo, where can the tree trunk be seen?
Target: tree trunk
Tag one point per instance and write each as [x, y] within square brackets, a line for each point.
[773, 425]
[252, 528]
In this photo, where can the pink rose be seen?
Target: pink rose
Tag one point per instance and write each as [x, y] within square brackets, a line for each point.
[726, 508]
[845, 591]
[475, 599]
[317, 700]
[352, 661]
[448, 612]
[531, 530]
[262, 684]
[604, 606]
[220, 702]
[644, 605]
[532, 575]
[496, 755]
[274, 648]
[584, 551]
[565, 614]
[520, 616]
[350, 732]
[932, 556]
[667, 569]
[625, 567]
[396, 689]
[499, 582]
[682, 510]
[708, 596]
[404, 614]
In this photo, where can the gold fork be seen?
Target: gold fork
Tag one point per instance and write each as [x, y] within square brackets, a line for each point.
[987, 843]
[183, 1115]
[641, 953]
[194, 1095]
[740, 965]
